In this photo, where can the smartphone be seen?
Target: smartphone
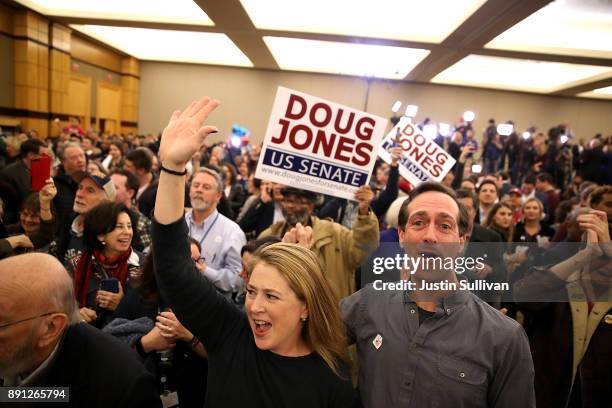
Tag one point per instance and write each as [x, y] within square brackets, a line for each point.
[110, 285]
[40, 169]
[476, 168]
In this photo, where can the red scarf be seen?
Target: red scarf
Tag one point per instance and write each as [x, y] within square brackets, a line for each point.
[115, 268]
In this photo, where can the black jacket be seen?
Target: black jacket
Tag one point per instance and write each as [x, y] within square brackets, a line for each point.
[257, 218]
[64, 200]
[100, 372]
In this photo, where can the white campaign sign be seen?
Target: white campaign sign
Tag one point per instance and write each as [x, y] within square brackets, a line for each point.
[318, 145]
[422, 159]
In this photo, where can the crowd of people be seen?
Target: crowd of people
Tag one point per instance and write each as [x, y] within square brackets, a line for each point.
[153, 267]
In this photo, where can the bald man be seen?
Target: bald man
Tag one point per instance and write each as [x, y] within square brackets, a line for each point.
[43, 343]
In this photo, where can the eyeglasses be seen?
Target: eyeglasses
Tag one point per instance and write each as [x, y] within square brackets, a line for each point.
[2, 325]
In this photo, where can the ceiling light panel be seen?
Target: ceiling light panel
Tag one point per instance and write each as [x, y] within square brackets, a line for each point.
[422, 20]
[169, 45]
[344, 58]
[568, 27]
[159, 11]
[602, 93]
[519, 75]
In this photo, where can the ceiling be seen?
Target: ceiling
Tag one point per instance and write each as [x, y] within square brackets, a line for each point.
[561, 47]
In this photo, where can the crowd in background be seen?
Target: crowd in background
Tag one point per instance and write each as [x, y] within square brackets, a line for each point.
[95, 215]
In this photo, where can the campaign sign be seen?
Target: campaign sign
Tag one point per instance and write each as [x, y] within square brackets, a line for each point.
[422, 159]
[318, 145]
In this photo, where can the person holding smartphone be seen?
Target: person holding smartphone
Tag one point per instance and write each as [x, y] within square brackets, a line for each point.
[36, 223]
[103, 270]
[288, 349]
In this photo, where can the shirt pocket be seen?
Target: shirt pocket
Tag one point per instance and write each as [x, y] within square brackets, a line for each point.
[464, 383]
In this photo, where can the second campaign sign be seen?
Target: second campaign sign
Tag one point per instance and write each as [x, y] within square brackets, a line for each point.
[318, 145]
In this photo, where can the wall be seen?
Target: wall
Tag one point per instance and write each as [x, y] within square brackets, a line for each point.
[96, 74]
[7, 72]
[247, 96]
[48, 73]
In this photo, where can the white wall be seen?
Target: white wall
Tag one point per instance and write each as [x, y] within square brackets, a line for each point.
[247, 95]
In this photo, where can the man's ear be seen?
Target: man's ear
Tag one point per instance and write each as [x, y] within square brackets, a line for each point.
[311, 207]
[52, 328]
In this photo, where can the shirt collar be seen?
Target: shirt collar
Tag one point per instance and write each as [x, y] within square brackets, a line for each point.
[210, 217]
[448, 304]
[26, 379]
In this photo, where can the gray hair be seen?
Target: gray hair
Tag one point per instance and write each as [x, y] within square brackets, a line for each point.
[214, 174]
[60, 152]
[62, 298]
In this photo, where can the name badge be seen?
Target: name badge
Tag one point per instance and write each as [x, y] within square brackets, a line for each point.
[377, 342]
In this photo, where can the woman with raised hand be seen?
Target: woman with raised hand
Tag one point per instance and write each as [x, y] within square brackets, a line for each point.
[288, 349]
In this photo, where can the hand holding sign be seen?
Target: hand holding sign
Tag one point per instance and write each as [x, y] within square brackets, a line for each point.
[364, 196]
[184, 134]
[421, 160]
[396, 155]
[465, 151]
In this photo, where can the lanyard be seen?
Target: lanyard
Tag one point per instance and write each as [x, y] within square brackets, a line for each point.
[206, 232]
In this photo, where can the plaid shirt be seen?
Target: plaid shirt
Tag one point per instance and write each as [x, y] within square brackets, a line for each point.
[143, 228]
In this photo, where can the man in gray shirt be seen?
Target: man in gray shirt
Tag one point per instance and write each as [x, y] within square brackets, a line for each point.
[436, 348]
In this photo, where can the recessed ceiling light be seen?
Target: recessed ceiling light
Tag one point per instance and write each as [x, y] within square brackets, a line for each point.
[603, 93]
[424, 20]
[169, 45]
[160, 11]
[519, 75]
[375, 61]
[574, 27]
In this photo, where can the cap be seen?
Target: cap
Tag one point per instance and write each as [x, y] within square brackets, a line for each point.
[515, 190]
[103, 181]
[309, 195]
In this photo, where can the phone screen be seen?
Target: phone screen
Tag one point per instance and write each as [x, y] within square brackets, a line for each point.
[110, 285]
[40, 169]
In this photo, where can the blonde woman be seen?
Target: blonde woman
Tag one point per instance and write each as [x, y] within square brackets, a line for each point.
[288, 349]
[531, 229]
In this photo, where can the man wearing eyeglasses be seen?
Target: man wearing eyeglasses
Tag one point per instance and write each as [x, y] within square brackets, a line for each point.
[44, 344]
[340, 250]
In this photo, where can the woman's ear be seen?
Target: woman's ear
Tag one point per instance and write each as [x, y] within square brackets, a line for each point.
[304, 313]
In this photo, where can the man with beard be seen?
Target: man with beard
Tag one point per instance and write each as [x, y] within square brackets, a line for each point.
[220, 238]
[340, 250]
[44, 344]
[436, 347]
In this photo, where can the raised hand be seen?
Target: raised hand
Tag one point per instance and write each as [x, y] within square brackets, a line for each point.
[396, 155]
[184, 134]
[47, 193]
[364, 196]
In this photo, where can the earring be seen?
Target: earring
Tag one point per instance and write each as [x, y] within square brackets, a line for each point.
[103, 243]
[304, 319]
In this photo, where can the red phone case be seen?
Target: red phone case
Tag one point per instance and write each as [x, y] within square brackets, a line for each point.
[40, 169]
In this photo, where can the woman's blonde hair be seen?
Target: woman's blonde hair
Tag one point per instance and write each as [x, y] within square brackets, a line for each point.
[324, 330]
[538, 202]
